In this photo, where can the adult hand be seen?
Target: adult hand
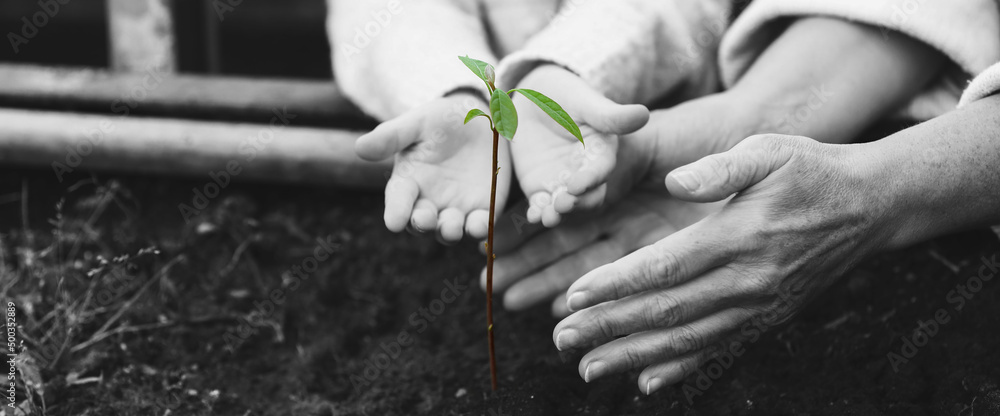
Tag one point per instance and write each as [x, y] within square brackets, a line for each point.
[804, 213]
[535, 265]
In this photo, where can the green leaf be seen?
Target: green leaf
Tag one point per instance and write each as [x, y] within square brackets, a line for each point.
[473, 113]
[478, 67]
[553, 109]
[504, 114]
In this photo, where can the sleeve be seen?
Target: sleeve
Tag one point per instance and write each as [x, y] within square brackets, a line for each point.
[391, 56]
[633, 51]
[984, 85]
[967, 32]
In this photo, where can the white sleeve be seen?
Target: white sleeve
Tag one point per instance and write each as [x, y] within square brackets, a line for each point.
[985, 85]
[633, 51]
[391, 56]
[967, 32]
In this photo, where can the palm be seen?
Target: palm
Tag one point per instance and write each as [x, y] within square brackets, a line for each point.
[547, 157]
[453, 169]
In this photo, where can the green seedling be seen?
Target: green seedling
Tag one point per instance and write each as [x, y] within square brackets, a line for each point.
[503, 122]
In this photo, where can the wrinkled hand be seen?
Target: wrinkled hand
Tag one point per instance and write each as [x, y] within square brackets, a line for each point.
[441, 175]
[535, 265]
[538, 270]
[554, 170]
[804, 213]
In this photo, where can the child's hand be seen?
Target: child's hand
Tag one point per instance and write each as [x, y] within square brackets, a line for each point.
[441, 176]
[556, 173]
[680, 135]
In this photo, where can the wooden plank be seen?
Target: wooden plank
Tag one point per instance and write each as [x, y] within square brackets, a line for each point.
[141, 35]
[283, 153]
[317, 102]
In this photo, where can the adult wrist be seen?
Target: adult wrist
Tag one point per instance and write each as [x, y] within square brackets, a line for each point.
[893, 191]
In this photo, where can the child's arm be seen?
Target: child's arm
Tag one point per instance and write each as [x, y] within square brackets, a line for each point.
[592, 55]
[631, 51]
[390, 56]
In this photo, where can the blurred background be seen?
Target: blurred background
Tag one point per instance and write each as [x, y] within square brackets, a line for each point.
[253, 38]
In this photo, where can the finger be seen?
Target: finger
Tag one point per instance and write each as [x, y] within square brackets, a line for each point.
[593, 198]
[671, 372]
[388, 138]
[550, 218]
[555, 278]
[600, 158]
[425, 215]
[477, 223]
[563, 202]
[534, 215]
[540, 251]
[650, 310]
[610, 117]
[536, 204]
[673, 260]
[675, 370]
[400, 194]
[559, 309]
[451, 221]
[648, 348]
[715, 177]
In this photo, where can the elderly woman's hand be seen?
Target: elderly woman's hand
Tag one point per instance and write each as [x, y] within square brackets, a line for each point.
[537, 266]
[803, 214]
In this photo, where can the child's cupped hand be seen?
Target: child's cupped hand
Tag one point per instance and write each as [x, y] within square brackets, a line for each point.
[441, 176]
[556, 173]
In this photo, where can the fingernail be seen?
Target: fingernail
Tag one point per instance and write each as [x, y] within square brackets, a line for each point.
[567, 338]
[688, 180]
[652, 385]
[594, 370]
[576, 301]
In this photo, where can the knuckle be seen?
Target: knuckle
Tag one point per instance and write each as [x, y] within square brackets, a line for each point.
[631, 356]
[689, 366]
[663, 268]
[756, 282]
[664, 311]
[605, 323]
[687, 339]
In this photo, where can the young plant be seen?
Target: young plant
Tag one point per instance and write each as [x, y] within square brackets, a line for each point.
[503, 122]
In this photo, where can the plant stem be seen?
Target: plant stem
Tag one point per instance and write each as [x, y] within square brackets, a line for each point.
[489, 262]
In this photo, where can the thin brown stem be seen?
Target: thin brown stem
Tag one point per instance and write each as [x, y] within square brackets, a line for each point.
[489, 262]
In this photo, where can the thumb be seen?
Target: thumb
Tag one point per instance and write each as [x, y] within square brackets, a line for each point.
[715, 177]
[387, 139]
[609, 117]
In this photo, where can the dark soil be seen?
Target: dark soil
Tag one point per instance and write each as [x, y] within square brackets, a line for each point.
[176, 349]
